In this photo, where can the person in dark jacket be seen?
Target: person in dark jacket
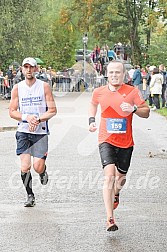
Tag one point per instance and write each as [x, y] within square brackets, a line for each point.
[137, 79]
[163, 72]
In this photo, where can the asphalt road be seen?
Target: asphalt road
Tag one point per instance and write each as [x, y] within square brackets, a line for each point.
[69, 214]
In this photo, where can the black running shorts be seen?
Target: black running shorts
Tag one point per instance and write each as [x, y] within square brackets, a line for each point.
[121, 157]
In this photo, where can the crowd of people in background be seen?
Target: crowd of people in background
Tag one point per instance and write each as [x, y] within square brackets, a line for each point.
[101, 56]
[15, 75]
[150, 80]
[61, 80]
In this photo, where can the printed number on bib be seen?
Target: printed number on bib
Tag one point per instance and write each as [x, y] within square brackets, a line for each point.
[116, 125]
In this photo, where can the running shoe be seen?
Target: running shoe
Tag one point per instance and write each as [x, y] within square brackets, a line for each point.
[30, 201]
[44, 177]
[111, 226]
[116, 201]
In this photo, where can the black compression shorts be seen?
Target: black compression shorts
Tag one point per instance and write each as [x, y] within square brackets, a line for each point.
[121, 157]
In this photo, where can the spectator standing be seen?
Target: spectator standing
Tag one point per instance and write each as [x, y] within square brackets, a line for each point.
[144, 80]
[7, 87]
[156, 87]
[163, 96]
[111, 55]
[9, 73]
[93, 55]
[137, 79]
[103, 56]
[1, 83]
[148, 79]
[131, 72]
[19, 76]
[98, 67]
[43, 75]
[97, 52]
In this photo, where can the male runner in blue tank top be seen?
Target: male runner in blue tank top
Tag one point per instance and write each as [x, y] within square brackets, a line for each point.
[32, 105]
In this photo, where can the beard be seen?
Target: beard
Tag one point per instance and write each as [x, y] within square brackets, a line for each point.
[30, 77]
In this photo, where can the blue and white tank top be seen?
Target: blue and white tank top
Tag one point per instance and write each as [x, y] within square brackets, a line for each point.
[32, 101]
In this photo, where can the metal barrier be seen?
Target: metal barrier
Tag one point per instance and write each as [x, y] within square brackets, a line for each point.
[6, 86]
[60, 84]
[77, 84]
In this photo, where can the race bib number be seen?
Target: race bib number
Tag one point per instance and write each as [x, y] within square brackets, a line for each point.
[116, 125]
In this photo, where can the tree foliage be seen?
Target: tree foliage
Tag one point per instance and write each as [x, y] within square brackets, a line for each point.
[122, 21]
[18, 32]
[53, 29]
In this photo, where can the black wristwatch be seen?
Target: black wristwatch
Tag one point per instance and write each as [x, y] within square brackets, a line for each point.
[135, 108]
[39, 120]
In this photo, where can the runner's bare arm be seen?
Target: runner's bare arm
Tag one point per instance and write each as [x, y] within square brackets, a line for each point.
[140, 110]
[52, 110]
[13, 107]
[92, 110]
[92, 114]
[143, 110]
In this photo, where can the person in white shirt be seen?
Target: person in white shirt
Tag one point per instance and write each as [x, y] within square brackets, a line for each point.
[156, 87]
[32, 105]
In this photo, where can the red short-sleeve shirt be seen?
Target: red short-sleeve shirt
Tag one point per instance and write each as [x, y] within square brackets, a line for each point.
[116, 125]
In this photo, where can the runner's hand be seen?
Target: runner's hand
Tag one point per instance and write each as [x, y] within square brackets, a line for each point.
[32, 122]
[92, 127]
[127, 107]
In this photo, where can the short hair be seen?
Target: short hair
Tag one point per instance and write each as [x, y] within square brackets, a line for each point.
[117, 61]
[161, 67]
[155, 70]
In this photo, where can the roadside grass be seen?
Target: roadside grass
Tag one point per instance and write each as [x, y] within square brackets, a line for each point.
[162, 111]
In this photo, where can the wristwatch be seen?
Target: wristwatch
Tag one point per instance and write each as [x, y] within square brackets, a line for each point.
[38, 119]
[135, 108]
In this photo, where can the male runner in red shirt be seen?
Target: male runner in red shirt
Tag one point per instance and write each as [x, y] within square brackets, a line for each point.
[118, 103]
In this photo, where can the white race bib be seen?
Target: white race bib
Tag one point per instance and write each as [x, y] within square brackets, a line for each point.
[116, 125]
